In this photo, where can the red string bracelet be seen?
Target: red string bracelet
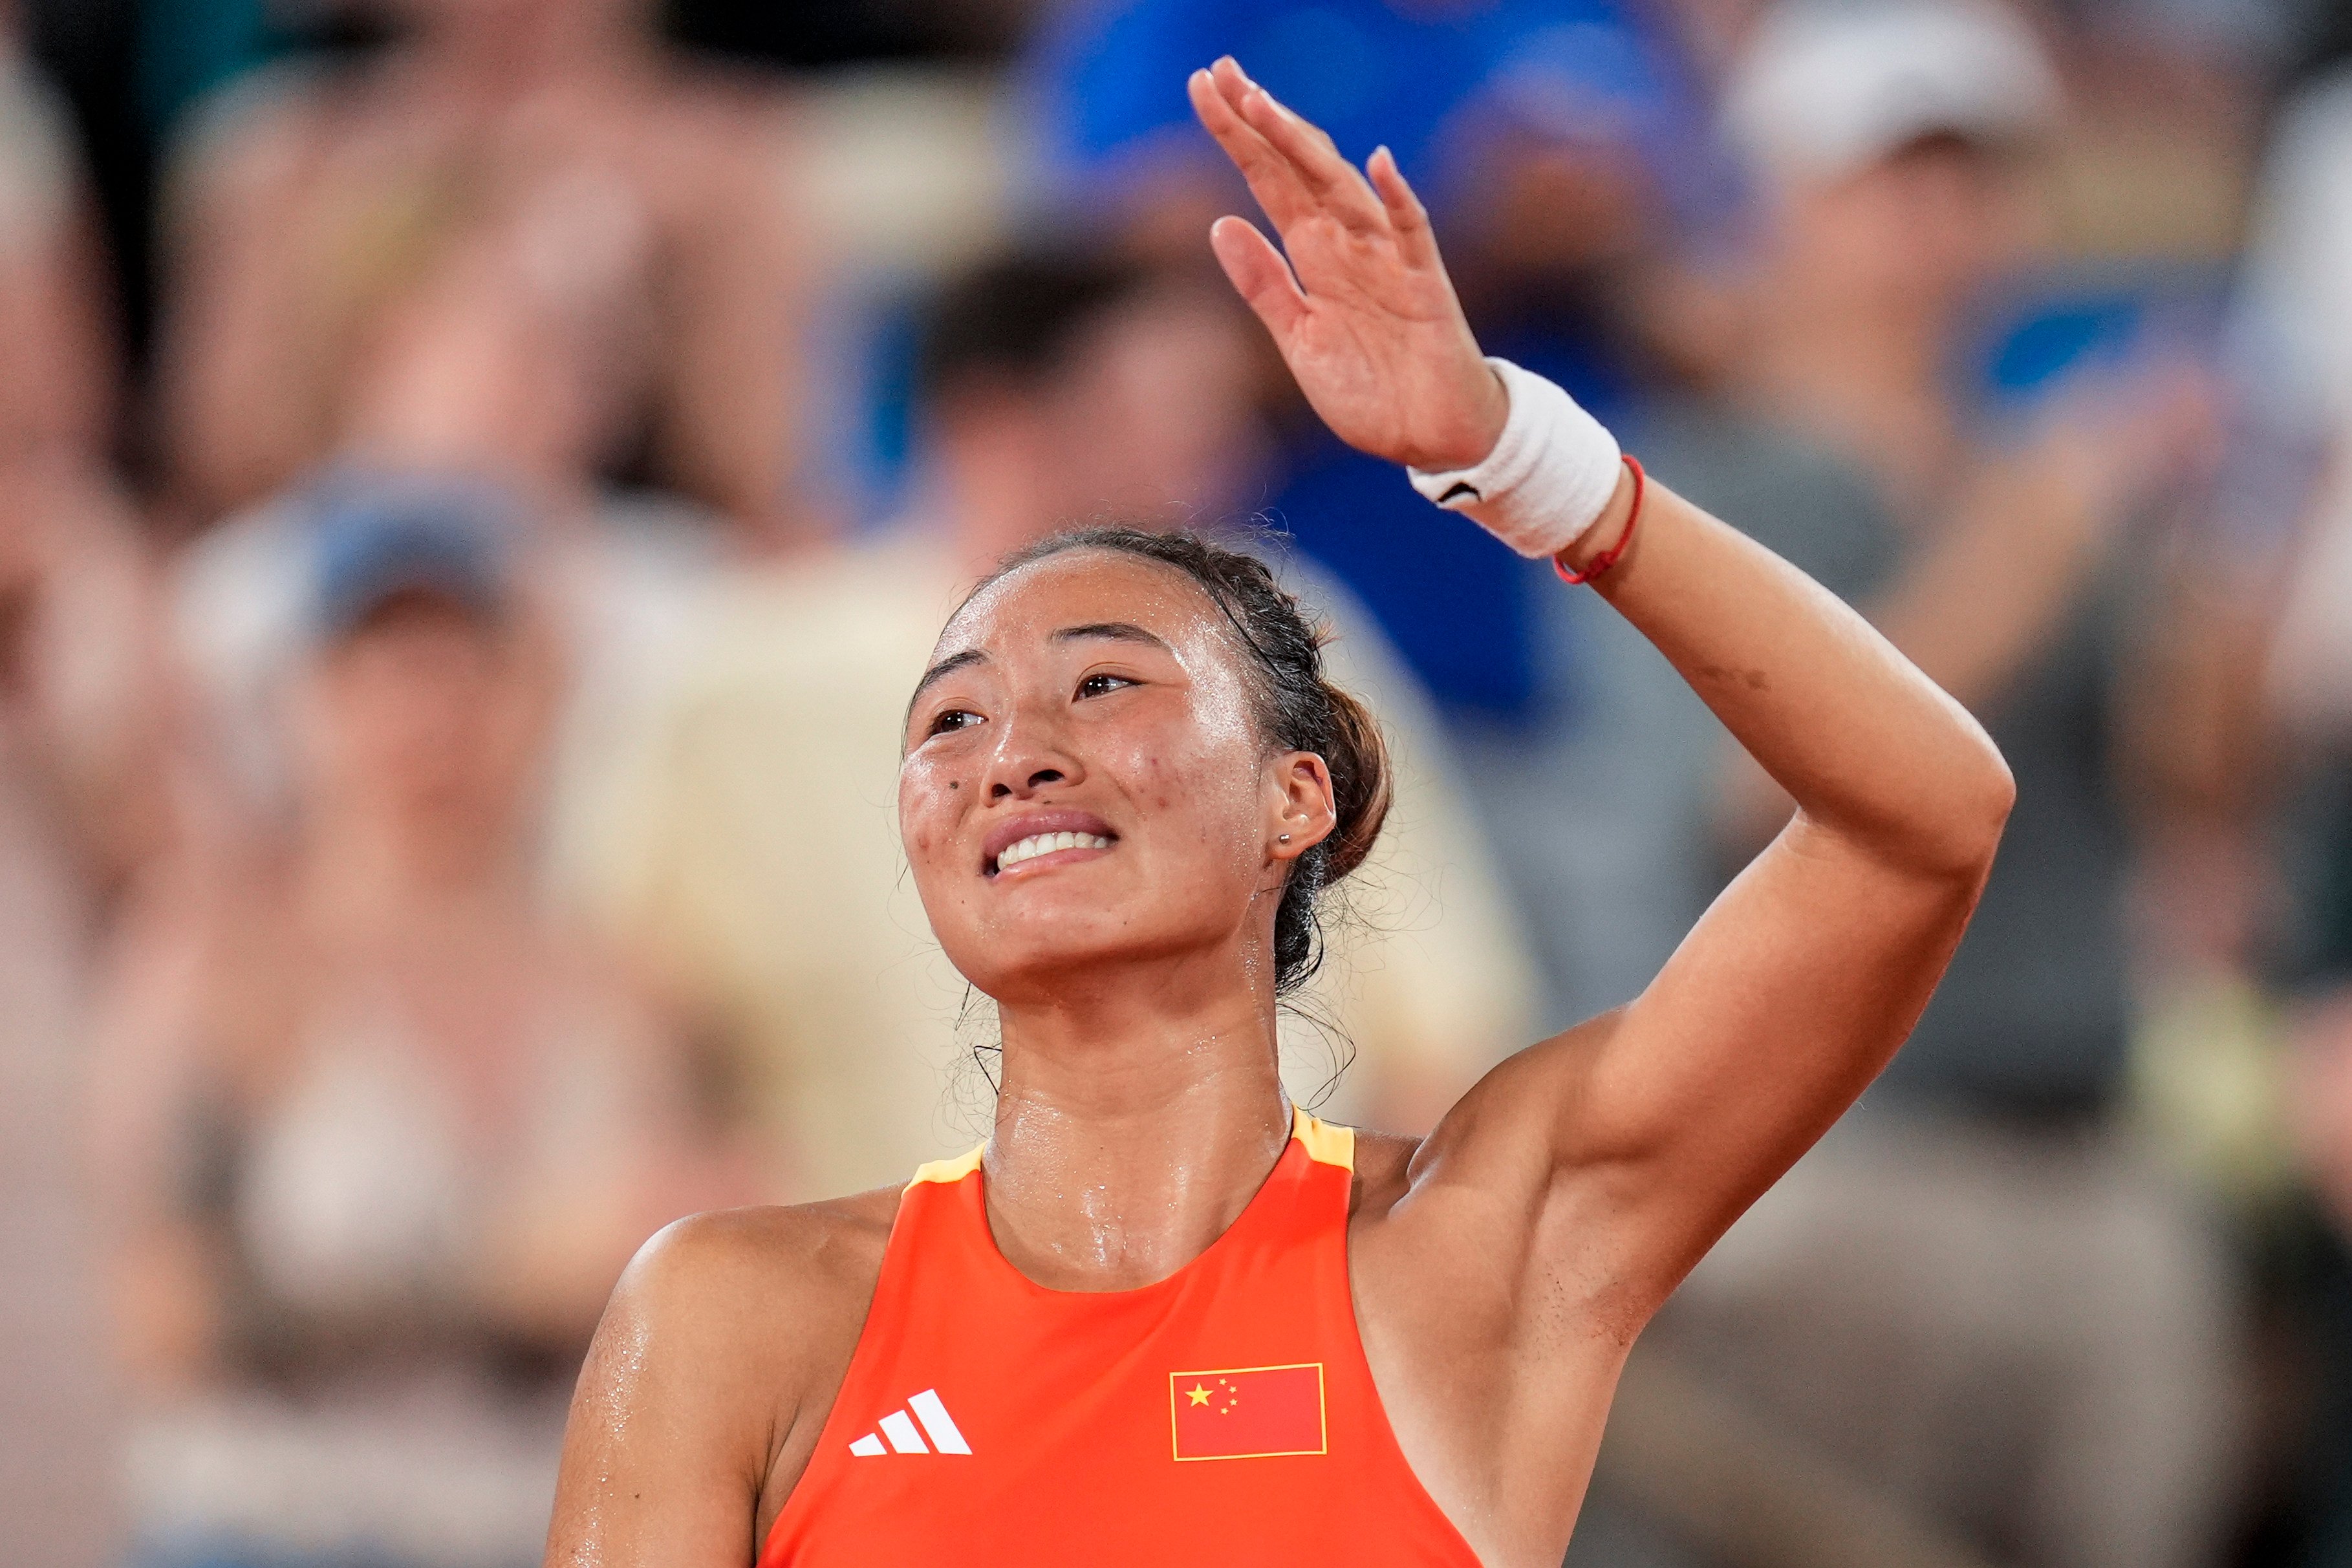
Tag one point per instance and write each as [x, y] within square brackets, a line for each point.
[1608, 558]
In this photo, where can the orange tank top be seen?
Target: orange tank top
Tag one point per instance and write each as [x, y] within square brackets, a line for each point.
[1223, 1414]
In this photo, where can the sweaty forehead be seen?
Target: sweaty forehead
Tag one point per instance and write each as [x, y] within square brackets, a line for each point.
[1087, 587]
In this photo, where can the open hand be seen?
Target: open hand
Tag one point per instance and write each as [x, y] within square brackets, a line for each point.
[1362, 311]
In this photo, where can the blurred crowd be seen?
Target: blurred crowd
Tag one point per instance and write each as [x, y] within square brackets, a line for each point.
[479, 479]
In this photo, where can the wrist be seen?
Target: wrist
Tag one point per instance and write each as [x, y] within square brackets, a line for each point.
[1550, 473]
[1610, 540]
[1476, 437]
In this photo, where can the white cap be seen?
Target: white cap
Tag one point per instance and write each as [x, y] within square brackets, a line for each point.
[1825, 89]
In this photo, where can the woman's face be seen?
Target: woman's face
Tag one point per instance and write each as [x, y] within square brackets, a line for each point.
[1937, 220]
[423, 719]
[1102, 697]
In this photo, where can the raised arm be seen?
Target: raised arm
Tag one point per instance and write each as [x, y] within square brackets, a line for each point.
[1642, 1135]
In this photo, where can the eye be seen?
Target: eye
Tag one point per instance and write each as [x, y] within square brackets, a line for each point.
[1101, 682]
[951, 719]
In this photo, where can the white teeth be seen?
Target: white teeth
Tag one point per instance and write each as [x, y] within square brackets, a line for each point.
[1037, 845]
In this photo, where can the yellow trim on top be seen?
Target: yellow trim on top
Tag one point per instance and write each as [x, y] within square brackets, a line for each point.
[1327, 1142]
[950, 1171]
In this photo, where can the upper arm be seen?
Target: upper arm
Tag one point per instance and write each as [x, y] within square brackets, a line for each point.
[679, 1408]
[1646, 1133]
[1785, 1002]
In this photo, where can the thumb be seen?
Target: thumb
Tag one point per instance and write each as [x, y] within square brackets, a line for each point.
[1260, 275]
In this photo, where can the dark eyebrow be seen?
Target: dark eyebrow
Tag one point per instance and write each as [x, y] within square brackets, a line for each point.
[1116, 631]
[945, 667]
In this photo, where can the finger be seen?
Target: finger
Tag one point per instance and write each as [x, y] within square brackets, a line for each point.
[1232, 80]
[1233, 84]
[1238, 85]
[1302, 144]
[1271, 178]
[1314, 157]
[1416, 242]
[1259, 274]
[1325, 182]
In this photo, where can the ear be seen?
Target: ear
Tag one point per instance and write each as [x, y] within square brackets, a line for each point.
[1300, 812]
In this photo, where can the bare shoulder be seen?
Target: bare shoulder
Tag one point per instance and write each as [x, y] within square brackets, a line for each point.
[750, 1267]
[711, 1378]
[752, 1306]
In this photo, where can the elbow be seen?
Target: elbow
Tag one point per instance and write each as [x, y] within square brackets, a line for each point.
[1996, 796]
[1946, 826]
[1970, 814]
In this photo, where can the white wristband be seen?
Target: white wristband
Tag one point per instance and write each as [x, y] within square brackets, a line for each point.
[1548, 478]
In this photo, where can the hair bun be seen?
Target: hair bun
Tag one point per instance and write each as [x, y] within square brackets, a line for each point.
[1362, 786]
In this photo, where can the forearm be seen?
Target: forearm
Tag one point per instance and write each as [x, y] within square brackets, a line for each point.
[1868, 746]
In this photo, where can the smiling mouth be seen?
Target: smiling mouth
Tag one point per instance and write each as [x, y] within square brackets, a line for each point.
[1040, 844]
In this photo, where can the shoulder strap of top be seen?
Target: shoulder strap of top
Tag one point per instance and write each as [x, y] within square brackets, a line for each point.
[950, 1172]
[1326, 1142]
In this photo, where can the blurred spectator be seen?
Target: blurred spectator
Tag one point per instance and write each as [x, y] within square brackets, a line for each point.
[759, 860]
[488, 388]
[75, 604]
[377, 1137]
[78, 724]
[1975, 1289]
[57, 387]
[648, 203]
[58, 1406]
[2300, 310]
[1555, 143]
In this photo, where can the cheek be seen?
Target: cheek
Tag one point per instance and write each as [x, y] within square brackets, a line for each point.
[929, 797]
[1195, 795]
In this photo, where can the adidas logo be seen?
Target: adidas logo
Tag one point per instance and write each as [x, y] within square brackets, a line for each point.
[905, 1439]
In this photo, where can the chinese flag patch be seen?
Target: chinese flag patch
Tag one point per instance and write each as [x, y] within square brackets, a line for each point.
[1247, 1412]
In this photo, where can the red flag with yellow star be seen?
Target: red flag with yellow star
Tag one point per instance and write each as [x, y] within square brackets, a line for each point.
[1247, 1412]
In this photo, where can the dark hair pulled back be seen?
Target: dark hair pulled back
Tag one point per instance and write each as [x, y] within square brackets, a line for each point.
[1296, 709]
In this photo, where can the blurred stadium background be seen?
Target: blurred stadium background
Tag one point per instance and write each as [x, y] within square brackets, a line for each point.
[479, 477]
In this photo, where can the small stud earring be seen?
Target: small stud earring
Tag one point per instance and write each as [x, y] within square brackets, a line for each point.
[1282, 838]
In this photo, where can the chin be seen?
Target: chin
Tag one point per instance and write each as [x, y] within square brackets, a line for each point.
[1015, 966]
[1042, 954]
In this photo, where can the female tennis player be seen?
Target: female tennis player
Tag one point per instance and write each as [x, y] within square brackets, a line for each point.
[1161, 1317]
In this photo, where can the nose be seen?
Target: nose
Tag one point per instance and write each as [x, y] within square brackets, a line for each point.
[1000, 788]
[1030, 755]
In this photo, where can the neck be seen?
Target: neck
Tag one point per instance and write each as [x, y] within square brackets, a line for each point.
[1134, 1125]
